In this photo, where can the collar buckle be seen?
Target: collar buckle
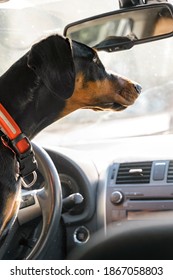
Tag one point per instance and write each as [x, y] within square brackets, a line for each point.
[27, 161]
[14, 139]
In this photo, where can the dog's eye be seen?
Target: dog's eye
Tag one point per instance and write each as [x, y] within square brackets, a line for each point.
[95, 59]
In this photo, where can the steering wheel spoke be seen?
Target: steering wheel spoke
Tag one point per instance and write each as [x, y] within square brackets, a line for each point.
[30, 206]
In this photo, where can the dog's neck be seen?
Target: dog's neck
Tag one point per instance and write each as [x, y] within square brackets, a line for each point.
[27, 100]
[33, 107]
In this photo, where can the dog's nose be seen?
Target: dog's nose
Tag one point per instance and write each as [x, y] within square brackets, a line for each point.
[138, 88]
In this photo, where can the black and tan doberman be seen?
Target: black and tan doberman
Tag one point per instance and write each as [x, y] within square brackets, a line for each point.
[53, 79]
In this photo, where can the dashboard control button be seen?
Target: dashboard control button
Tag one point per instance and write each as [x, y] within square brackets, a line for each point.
[116, 197]
[26, 201]
[81, 235]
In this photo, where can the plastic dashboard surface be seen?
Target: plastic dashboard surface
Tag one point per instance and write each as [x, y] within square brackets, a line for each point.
[122, 180]
[131, 179]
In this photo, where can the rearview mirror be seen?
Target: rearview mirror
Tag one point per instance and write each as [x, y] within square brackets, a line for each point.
[125, 28]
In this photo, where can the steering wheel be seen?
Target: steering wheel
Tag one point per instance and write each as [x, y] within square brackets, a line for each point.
[48, 201]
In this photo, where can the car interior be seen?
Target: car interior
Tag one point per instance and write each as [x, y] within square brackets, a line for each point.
[104, 186]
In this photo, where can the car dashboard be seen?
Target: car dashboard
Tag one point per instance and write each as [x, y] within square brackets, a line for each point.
[125, 180]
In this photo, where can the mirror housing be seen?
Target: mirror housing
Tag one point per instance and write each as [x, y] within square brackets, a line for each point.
[124, 28]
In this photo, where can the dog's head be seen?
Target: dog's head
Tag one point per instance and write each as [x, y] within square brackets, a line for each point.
[96, 88]
[73, 71]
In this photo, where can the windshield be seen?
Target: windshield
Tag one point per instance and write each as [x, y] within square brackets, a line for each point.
[25, 22]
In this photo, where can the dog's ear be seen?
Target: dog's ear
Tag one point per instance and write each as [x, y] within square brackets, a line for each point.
[51, 59]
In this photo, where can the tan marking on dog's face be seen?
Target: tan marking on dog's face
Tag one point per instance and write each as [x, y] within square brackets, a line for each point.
[10, 209]
[101, 95]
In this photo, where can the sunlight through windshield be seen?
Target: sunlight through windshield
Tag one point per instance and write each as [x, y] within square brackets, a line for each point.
[25, 22]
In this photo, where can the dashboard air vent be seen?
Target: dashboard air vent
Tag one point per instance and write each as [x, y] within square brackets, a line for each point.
[134, 173]
[170, 172]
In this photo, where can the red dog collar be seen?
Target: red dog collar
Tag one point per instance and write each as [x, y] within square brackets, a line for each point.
[10, 128]
[16, 141]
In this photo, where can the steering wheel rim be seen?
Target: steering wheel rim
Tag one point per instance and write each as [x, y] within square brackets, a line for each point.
[50, 199]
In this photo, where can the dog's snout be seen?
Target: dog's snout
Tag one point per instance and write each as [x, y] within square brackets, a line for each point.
[138, 88]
